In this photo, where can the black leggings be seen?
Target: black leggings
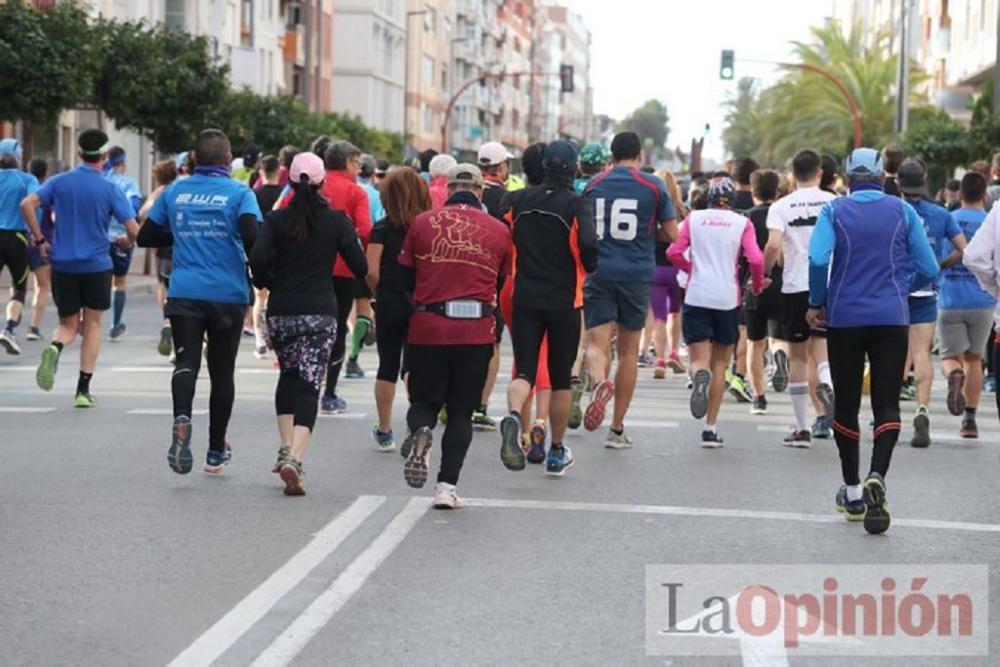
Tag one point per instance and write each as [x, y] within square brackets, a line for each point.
[298, 397]
[885, 347]
[343, 289]
[392, 312]
[190, 321]
[451, 376]
[529, 327]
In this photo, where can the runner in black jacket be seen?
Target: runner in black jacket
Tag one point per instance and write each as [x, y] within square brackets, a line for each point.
[555, 246]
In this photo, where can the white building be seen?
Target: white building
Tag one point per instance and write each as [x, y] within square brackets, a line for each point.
[369, 57]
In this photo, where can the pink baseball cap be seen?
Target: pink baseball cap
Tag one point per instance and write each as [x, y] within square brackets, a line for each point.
[310, 165]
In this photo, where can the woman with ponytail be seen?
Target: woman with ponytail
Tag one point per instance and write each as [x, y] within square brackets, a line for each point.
[292, 258]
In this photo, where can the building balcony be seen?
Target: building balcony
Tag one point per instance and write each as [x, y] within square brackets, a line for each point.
[293, 45]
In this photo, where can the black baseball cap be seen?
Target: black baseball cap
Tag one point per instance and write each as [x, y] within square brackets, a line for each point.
[912, 178]
[93, 143]
[560, 156]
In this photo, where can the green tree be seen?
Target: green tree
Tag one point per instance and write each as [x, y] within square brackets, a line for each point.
[270, 122]
[741, 134]
[939, 141]
[649, 121]
[161, 83]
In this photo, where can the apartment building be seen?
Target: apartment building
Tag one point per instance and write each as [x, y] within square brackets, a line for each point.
[430, 81]
[478, 47]
[564, 39]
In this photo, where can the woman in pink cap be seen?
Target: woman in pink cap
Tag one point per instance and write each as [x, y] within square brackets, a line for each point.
[293, 256]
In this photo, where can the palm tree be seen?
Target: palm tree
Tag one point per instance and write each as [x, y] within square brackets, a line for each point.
[741, 135]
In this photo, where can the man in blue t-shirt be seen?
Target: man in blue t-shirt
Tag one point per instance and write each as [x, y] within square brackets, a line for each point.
[941, 228]
[121, 257]
[84, 202]
[211, 221]
[966, 314]
[631, 210]
[15, 185]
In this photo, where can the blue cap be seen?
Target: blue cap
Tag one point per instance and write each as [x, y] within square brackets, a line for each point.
[10, 147]
[561, 156]
[863, 162]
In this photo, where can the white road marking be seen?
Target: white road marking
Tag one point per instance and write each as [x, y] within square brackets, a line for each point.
[718, 512]
[166, 368]
[650, 423]
[343, 415]
[17, 410]
[147, 412]
[290, 643]
[228, 629]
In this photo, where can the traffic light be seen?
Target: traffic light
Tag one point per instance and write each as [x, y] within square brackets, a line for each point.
[566, 78]
[726, 70]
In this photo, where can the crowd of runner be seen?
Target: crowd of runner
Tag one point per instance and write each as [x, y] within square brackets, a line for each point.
[827, 281]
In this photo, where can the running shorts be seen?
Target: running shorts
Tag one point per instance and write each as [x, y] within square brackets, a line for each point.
[625, 303]
[707, 324]
[73, 292]
[794, 328]
[961, 331]
[14, 255]
[121, 260]
[923, 309]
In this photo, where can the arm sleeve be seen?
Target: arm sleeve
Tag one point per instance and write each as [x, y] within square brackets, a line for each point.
[154, 235]
[755, 258]
[349, 248]
[675, 253]
[261, 255]
[981, 252]
[821, 245]
[925, 264]
[586, 235]
[249, 225]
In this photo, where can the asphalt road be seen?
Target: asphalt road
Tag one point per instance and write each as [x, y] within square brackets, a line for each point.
[109, 558]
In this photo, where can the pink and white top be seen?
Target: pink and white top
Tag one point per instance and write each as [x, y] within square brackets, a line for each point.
[716, 236]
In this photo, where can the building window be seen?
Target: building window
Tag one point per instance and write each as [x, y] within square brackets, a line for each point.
[427, 118]
[444, 79]
[515, 120]
[246, 23]
[174, 16]
[293, 15]
[430, 21]
[297, 81]
[428, 70]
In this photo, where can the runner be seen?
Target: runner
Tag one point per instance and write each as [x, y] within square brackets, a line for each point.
[790, 222]
[716, 237]
[966, 314]
[209, 290]
[982, 258]
[939, 226]
[453, 258]
[15, 185]
[892, 157]
[440, 166]
[872, 250]
[248, 174]
[554, 245]
[267, 192]
[164, 173]
[762, 312]
[84, 202]
[667, 296]
[594, 159]
[40, 266]
[121, 257]
[363, 332]
[743, 168]
[632, 211]
[291, 260]
[405, 196]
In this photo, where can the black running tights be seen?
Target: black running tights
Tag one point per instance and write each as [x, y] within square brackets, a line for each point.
[223, 344]
[343, 288]
[885, 348]
[298, 397]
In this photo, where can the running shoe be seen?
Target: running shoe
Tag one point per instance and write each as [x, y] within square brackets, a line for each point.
[660, 370]
[780, 378]
[248, 331]
[989, 382]
[353, 370]
[166, 344]
[9, 342]
[283, 455]
[956, 392]
[617, 441]
[118, 331]
[853, 510]
[675, 363]
[711, 440]
[821, 429]
[876, 507]
[759, 406]
[594, 415]
[482, 421]
[84, 400]
[738, 388]
[511, 454]
[908, 390]
[179, 455]
[799, 439]
[969, 430]
[384, 442]
[260, 351]
[824, 393]
[330, 405]
[699, 393]
[575, 411]
[216, 462]
[921, 430]
[370, 335]
[292, 475]
[33, 334]
[536, 443]
[445, 497]
[415, 468]
[559, 460]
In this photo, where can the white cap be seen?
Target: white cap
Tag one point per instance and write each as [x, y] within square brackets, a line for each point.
[493, 153]
[441, 164]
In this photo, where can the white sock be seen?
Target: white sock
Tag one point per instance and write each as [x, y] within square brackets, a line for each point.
[799, 392]
[712, 427]
[823, 370]
[258, 339]
[854, 492]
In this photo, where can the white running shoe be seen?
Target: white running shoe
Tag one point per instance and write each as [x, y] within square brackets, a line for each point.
[615, 441]
[9, 342]
[445, 497]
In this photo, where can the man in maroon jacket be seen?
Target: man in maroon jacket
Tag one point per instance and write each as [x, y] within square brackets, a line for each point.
[453, 257]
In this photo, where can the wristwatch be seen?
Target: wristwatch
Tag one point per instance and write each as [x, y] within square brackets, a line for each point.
[41, 241]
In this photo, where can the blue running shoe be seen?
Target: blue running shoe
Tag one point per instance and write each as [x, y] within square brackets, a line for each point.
[536, 452]
[989, 383]
[216, 462]
[384, 442]
[559, 460]
[853, 510]
[331, 405]
[821, 429]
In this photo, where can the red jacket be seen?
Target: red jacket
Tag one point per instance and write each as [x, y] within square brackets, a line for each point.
[439, 191]
[344, 193]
